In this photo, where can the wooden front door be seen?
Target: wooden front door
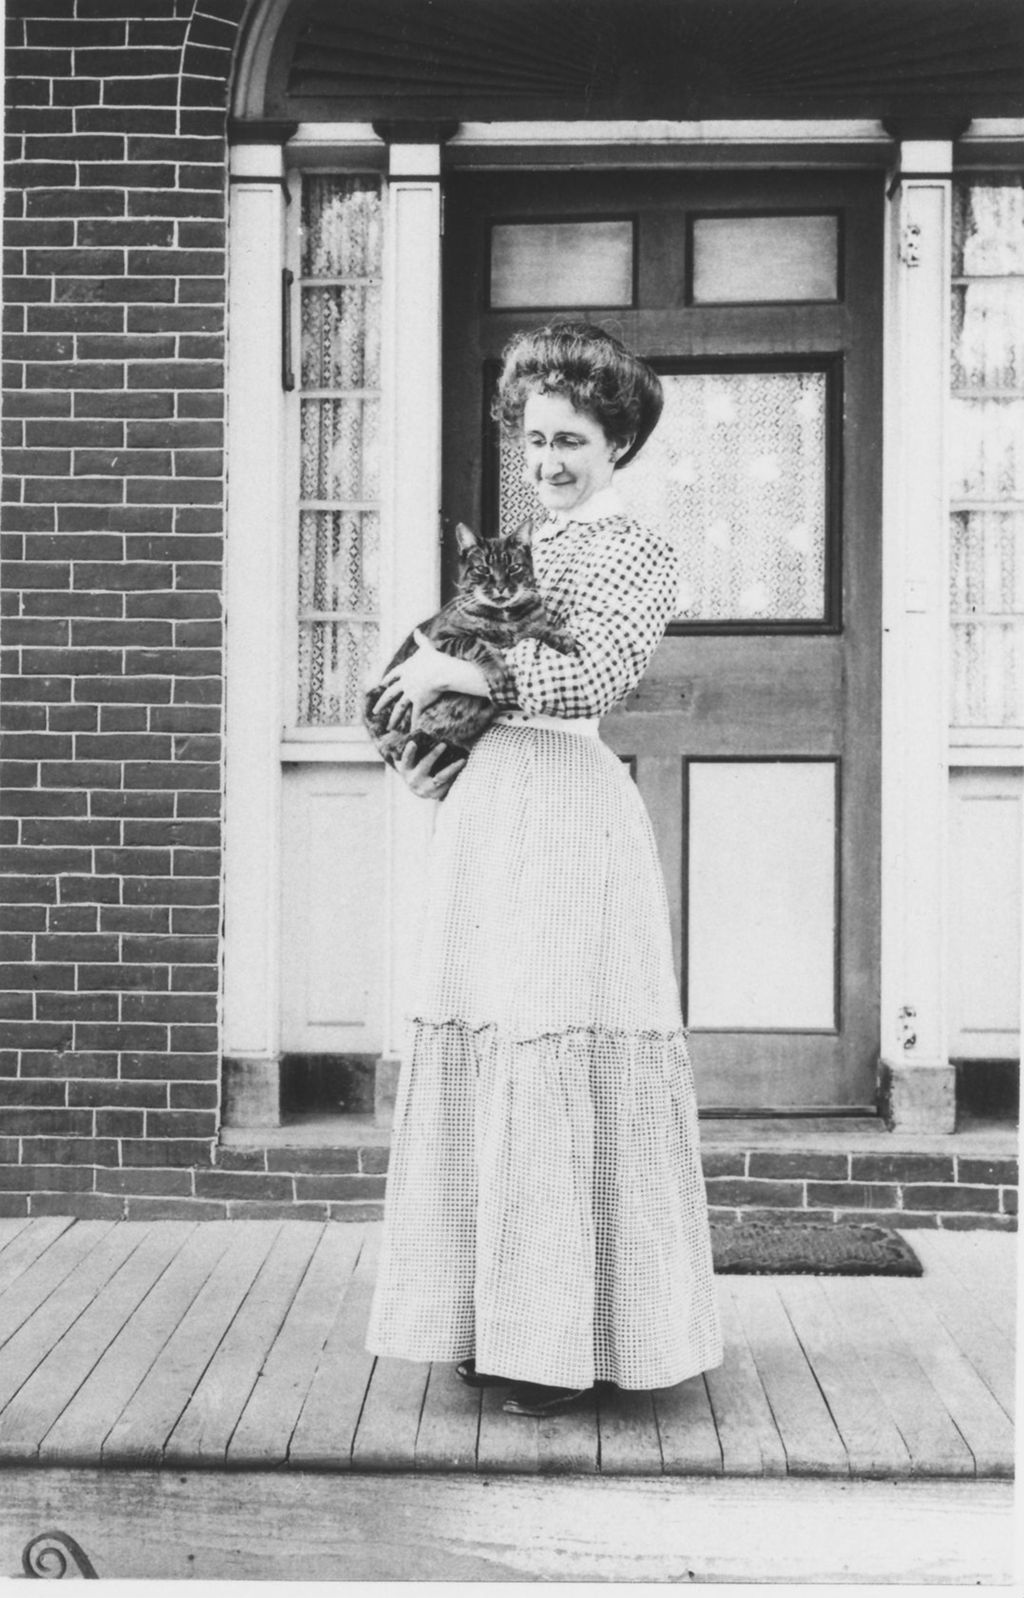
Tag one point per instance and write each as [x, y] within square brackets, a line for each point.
[754, 737]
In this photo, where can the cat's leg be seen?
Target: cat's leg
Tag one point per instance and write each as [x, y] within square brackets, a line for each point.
[547, 633]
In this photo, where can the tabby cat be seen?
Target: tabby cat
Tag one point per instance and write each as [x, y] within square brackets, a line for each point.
[496, 605]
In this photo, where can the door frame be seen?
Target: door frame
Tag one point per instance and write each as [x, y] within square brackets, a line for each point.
[914, 1051]
[833, 705]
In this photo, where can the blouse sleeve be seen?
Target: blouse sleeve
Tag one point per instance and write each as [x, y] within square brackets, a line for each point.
[624, 603]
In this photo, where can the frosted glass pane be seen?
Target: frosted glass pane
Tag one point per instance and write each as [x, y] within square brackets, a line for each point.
[757, 259]
[336, 660]
[762, 905]
[988, 673]
[735, 476]
[342, 226]
[988, 229]
[986, 448]
[988, 334]
[562, 264]
[340, 442]
[987, 567]
[341, 337]
[339, 560]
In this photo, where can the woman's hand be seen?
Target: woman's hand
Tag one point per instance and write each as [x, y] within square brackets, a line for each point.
[424, 677]
[420, 775]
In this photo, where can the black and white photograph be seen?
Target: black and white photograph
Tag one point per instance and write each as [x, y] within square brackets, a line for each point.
[512, 792]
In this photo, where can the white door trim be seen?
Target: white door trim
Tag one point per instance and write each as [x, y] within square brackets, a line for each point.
[254, 654]
[410, 533]
[915, 643]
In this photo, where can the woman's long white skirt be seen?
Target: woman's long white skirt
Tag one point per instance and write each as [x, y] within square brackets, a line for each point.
[545, 1206]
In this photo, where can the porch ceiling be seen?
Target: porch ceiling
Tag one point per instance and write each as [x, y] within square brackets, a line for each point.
[672, 59]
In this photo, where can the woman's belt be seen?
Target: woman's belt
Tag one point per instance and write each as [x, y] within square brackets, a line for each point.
[585, 725]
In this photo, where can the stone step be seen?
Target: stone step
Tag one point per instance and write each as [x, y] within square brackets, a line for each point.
[796, 1169]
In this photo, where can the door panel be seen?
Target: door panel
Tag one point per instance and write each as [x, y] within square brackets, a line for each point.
[332, 910]
[762, 895]
[754, 737]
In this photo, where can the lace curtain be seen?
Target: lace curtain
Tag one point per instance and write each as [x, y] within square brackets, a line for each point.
[987, 455]
[735, 476]
[339, 477]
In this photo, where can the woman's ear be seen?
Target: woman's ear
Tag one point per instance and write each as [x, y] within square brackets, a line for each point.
[623, 447]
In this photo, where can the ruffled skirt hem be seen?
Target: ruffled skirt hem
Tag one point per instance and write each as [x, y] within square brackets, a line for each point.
[546, 1211]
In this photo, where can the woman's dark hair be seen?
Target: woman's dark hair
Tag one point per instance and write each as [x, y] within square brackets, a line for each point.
[596, 373]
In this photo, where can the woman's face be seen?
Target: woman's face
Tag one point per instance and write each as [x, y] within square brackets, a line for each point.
[568, 456]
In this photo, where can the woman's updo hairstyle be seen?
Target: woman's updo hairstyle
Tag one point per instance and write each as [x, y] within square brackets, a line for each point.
[595, 372]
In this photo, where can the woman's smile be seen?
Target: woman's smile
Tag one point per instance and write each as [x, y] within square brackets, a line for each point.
[568, 455]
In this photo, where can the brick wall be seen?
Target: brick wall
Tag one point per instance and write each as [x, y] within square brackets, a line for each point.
[904, 1188]
[113, 497]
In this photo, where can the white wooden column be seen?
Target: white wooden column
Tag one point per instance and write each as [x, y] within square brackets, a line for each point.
[917, 1078]
[256, 441]
[411, 565]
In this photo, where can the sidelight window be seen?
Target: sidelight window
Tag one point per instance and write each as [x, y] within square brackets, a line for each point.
[987, 455]
[338, 534]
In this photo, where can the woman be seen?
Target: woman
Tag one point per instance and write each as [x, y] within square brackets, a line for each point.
[546, 1222]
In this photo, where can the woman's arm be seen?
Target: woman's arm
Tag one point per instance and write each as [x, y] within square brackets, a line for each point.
[625, 603]
[425, 675]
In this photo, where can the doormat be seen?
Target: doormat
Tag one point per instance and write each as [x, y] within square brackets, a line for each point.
[809, 1248]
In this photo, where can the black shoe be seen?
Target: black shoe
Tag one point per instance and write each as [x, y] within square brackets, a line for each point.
[532, 1399]
[467, 1372]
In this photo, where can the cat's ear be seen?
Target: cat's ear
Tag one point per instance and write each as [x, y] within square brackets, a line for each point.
[465, 537]
[524, 533]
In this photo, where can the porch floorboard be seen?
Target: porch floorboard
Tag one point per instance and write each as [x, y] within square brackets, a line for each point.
[239, 1345]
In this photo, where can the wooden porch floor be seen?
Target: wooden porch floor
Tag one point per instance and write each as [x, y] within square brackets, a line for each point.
[239, 1345]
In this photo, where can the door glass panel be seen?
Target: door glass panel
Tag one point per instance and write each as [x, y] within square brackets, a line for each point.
[736, 477]
[339, 462]
[564, 264]
[762, 895]
[763, 259]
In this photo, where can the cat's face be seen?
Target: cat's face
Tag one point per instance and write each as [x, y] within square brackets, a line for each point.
[497, 573]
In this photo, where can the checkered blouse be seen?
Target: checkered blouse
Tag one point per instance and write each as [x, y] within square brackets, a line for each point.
[612, 585]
